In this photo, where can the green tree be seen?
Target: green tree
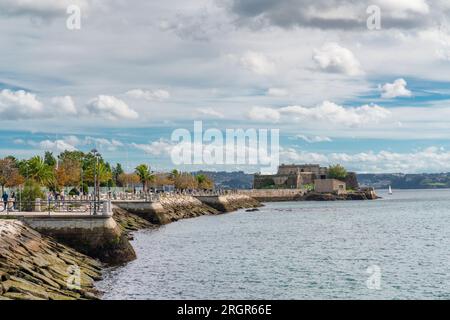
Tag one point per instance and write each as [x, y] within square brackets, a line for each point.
[116, 172]
[49, 159]
[337, 172]
[77, 156]
[103, 173]
[145, 176]
[37, 170]
[31, 191]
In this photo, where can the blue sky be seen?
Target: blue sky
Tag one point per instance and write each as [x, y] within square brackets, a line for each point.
[373, 100]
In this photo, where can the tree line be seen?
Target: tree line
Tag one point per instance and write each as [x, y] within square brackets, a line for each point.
[81, 170]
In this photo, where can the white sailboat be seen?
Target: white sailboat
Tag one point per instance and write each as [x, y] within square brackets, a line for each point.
[390, 190]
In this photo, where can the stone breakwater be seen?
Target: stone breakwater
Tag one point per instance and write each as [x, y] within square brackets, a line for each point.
[34, 267]
[229, 203]
[171, 208]
[177, 207]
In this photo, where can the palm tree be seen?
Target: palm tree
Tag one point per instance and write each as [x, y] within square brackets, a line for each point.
[103, 172]
[39, 171]
[145, 176]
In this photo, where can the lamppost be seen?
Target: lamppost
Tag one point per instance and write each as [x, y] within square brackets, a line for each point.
[96, 155]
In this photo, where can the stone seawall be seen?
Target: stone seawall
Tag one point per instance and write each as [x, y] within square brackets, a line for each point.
[36, 267]
[99, 237]
[230, 202]
[179, 207]
[274, 195]
[171, 208]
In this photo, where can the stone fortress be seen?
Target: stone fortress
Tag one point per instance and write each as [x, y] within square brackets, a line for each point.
[298, 176]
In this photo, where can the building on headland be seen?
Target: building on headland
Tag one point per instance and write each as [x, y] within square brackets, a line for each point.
[291, 176]
[305, 176]
[330, 186]
[312, 169]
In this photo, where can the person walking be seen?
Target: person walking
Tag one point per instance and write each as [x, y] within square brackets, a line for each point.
[5, 200]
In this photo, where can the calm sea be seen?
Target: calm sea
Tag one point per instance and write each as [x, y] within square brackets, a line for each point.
[394, 248]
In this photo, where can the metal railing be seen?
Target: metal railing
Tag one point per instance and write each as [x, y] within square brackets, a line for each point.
[84, 207]
[85, 204]
[151, 196]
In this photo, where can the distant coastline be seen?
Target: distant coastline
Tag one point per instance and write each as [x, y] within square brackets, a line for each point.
[242, 180]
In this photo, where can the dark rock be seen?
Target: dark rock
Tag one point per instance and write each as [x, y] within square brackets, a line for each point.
[35, 267]
[316, 196]
[355, 195]
[129, 221]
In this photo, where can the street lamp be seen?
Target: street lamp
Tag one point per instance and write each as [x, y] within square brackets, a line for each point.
[96, 155]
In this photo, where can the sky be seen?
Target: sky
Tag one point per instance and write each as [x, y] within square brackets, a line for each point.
[338, 89]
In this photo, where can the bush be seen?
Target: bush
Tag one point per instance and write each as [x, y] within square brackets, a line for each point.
[74, 192]
[26, 197]
[337, 172]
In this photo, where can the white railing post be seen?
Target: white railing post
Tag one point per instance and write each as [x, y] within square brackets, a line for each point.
[37, 205]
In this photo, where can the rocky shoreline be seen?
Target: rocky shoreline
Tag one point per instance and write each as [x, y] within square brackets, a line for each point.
[33, 266]
[37, 267]
[355, 195]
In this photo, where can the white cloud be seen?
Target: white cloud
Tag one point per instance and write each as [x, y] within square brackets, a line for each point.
[56, 145]
[64, 105]
[155, 148]
[336, 59]
[314, 139]
[210, 112]
[277, 92]
[102, 143]
[68, 143]
[111, 108]
[257, 62]
[19, 105]
[332, 113]
[433, 159]
[159, 94]
[263, 114]
[396, 89]
[72, 142]
[325, 113]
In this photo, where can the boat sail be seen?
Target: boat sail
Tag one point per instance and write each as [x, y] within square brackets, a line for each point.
[390, 190]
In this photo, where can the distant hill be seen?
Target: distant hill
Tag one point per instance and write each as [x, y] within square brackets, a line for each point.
[241, 180]
[230, 180]
[406, 181]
